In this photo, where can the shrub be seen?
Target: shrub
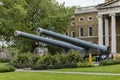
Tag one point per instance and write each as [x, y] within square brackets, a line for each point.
[21, 61]
[74, 57]
[39, 65]
[4, 60]
[109, 62]
[69, 60]
[45, 62]
[34, 58]
[85, 64]
[7, 68]
[13, 51]
[59, 61]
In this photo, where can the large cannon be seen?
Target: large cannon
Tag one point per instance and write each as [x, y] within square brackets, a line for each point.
[64, 45]
[81, 43]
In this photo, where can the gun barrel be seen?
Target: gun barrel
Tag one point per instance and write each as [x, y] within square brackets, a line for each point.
[48, 41]
[74, 41]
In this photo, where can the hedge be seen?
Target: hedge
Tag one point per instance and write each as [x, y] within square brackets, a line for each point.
[109, 62]
[69, 60]
[21, 61]
[48, 61]
[85, 64]
[7, 68]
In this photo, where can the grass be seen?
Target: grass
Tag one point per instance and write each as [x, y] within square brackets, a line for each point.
[52, 76]
[2, 64]
[103, 69]
[5, 67]
[58, 76]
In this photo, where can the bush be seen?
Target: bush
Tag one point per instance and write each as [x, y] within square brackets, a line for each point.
[39, 65]
[74, 57]
[69, 60]
[109, 62]
[13, 51]
[45, 62]
[21, 61]
[7, 68]
[34, 58]
[85, 64]
[4, 60]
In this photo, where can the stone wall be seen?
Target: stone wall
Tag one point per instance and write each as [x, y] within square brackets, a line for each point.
[85, 24]
[4, 54]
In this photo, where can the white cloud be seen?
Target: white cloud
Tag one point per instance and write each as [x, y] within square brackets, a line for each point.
[80, 2]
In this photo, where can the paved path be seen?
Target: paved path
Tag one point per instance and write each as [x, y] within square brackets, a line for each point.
[62, 72]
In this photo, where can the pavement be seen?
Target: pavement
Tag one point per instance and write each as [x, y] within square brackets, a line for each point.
[63, 72]
[95, 63]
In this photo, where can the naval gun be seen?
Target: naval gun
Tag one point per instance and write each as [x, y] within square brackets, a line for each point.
[64, 45]
[78, 42]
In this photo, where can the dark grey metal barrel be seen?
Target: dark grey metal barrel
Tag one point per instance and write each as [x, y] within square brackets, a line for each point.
[81, 43]
[61, 44]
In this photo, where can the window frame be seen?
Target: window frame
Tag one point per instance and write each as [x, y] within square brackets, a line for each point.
[80, 31]
[72, 23]
[89, 18]
[90, 33]
[67, 34]
[80, 19]
[72, 34]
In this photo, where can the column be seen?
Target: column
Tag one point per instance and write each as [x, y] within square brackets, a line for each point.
[100, 30]
[113, 33]
[106, 32]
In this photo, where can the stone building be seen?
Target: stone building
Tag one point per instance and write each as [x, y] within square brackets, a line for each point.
[98, 24]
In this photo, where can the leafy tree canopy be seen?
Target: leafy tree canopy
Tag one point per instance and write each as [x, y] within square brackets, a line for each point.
[26, 15]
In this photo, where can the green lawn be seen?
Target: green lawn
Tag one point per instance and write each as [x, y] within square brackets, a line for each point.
[2, 64]
[103, 69]
[58, 76]
[52, 76]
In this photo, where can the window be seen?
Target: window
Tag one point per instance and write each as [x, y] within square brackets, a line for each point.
[90, 31]
[81, 19]
[73, 34]
[90, 18]
[72, 23]
[80, 31]
[66, 34]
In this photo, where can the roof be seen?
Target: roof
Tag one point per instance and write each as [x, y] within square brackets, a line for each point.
[106, 5]
[85, 9]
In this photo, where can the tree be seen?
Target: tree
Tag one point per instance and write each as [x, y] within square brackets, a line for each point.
[12, 16]
[26, 15]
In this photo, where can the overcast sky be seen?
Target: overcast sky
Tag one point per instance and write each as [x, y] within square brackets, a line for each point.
[81, 3]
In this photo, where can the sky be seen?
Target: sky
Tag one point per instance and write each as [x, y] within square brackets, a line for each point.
[81, 3]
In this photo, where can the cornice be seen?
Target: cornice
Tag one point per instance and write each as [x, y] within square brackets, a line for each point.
[103, 6]
[88, 9]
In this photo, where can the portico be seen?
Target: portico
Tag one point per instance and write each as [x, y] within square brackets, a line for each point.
[108, 28]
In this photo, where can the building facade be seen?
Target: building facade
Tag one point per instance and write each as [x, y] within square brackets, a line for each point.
[98, 24]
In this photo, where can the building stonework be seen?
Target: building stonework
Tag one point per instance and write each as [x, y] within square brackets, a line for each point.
[98, 24]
